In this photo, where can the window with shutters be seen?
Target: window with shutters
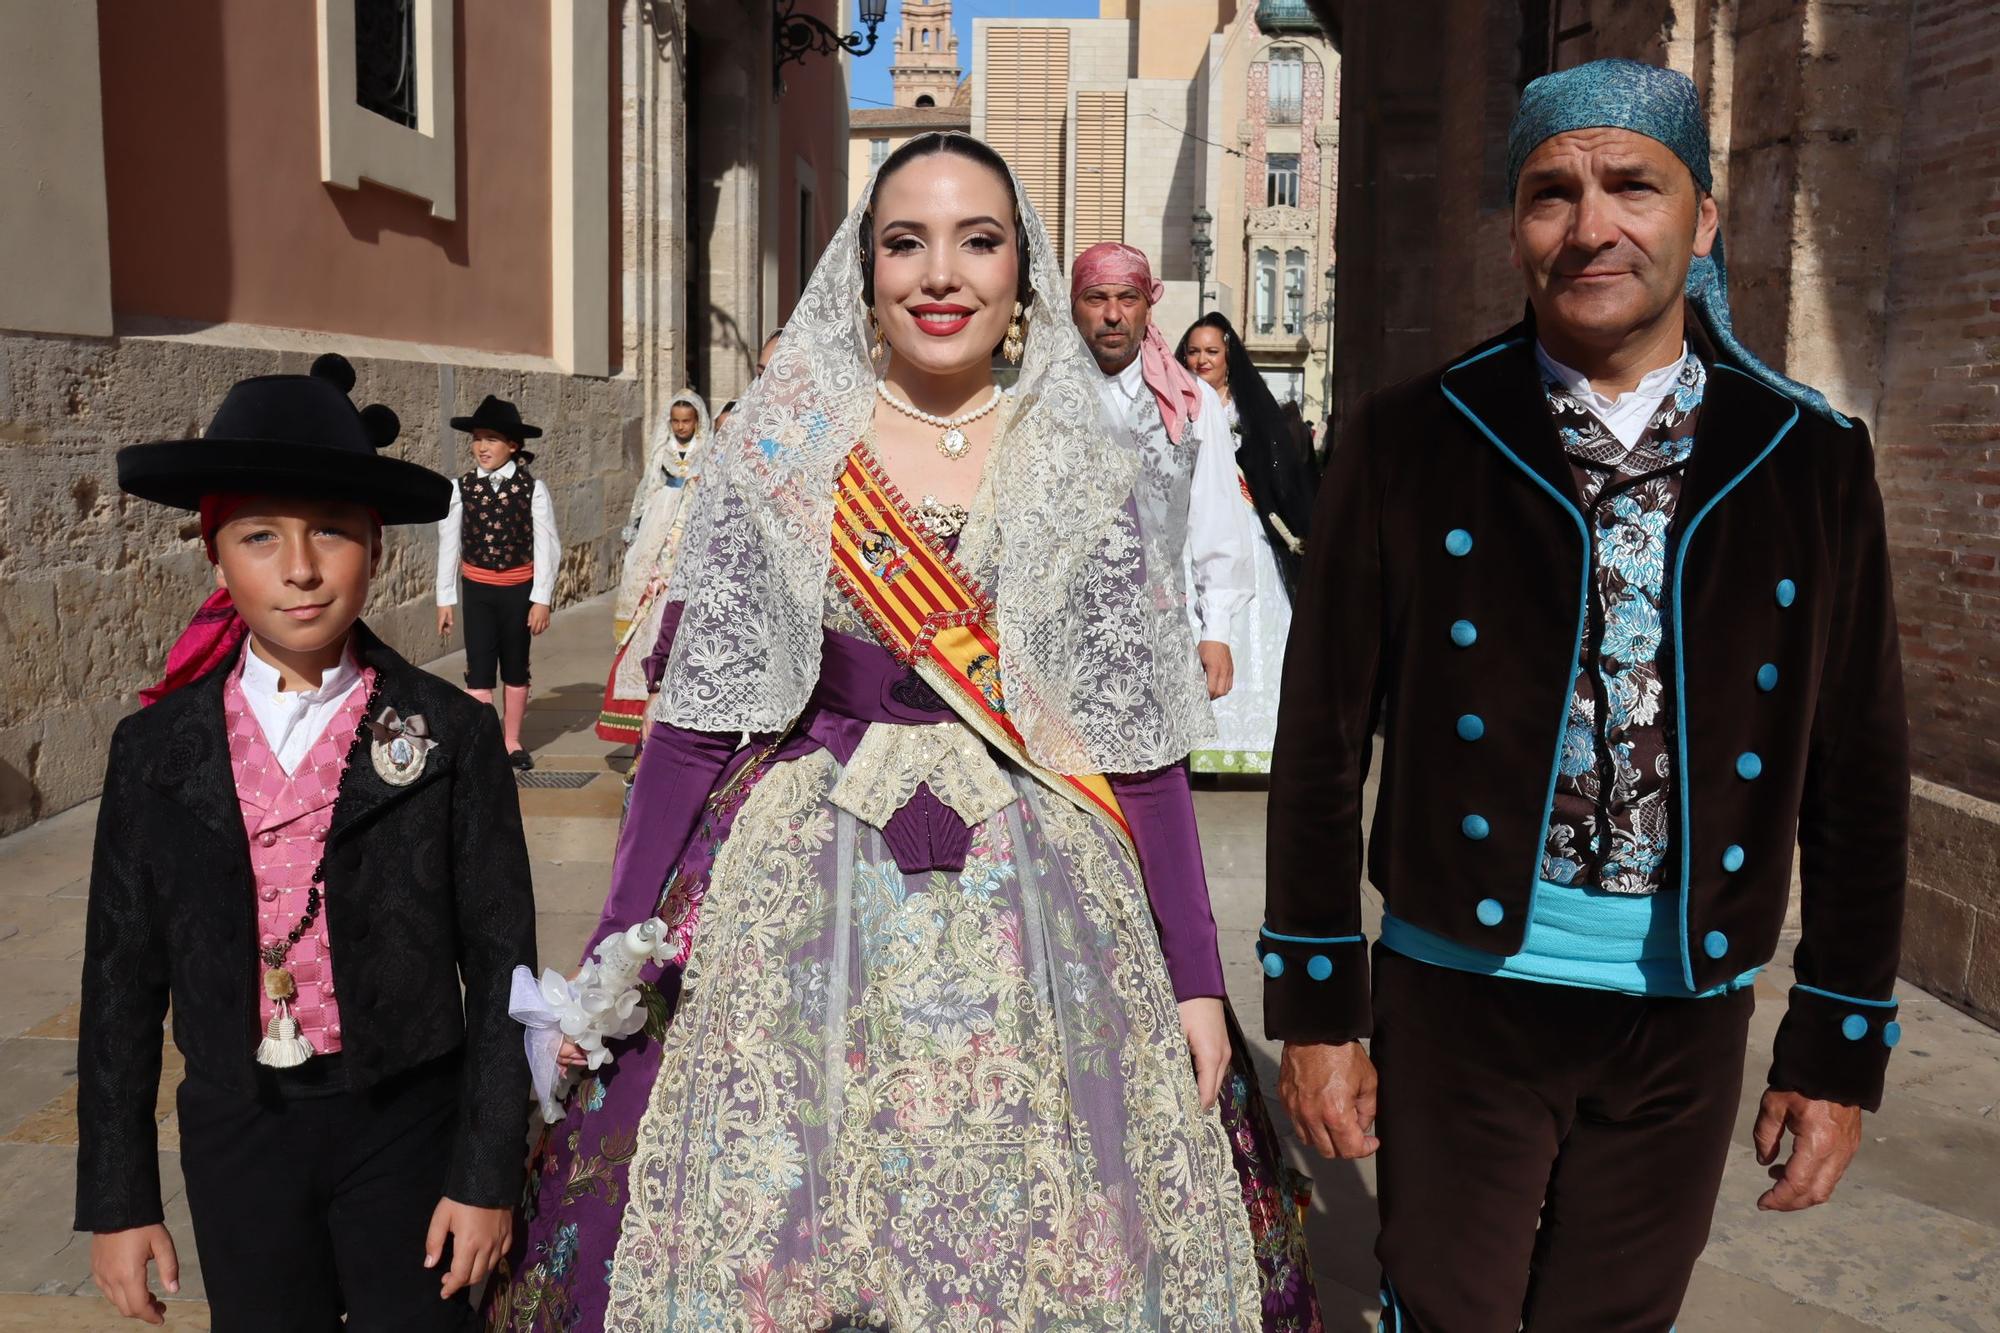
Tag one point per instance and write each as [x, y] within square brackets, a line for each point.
[1100, 169]
[1267, 291]
[878, 153]
[1027, 82]
[1281, 180]
[1287, 85]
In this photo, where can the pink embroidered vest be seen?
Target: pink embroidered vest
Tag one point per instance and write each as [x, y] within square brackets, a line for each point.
[286, 818]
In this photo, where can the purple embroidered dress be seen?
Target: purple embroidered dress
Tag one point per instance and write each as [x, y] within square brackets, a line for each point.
[921, 1073]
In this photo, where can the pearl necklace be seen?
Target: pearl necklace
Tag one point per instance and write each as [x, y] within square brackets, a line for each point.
[953, 444]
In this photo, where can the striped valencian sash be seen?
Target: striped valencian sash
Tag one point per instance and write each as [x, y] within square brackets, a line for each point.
[924, 609]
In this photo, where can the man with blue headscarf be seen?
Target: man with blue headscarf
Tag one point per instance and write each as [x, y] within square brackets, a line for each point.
[1618, 595]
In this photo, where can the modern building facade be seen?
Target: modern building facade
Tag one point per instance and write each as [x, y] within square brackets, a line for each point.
[1204, 134]
[581, 205]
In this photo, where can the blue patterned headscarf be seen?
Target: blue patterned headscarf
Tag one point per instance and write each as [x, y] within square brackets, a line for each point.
[1661, 104]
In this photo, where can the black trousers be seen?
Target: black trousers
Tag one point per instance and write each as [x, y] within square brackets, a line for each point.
[1550, 1154]
[313, 1202]
[496, 632]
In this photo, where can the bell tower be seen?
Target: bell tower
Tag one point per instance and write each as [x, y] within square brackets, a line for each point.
[925, 72]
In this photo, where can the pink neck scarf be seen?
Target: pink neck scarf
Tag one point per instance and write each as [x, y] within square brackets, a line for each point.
[1173, 385]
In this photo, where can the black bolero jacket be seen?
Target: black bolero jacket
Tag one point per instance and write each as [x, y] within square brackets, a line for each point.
[1784, 710]
[428, 886]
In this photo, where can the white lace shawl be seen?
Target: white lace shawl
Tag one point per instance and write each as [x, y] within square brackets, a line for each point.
[1096, 658]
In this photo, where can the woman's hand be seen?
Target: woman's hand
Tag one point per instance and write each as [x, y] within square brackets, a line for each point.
[479, 1239]
[571, 1056]
[118, 1262]
[1208, 1042]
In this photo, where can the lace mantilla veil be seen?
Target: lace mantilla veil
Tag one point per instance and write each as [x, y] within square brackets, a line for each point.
[1096, 656]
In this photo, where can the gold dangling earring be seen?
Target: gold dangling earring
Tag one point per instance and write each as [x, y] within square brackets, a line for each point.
[1016, 339]
[878, 352]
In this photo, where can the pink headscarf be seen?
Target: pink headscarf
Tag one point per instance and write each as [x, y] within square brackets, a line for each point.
[1176, 388]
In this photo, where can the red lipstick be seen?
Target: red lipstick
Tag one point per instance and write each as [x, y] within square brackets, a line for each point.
[938, 327]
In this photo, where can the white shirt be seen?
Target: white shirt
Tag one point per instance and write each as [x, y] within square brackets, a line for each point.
[1627, 415]
[1221, 538]
[294, 720]
[548, 549]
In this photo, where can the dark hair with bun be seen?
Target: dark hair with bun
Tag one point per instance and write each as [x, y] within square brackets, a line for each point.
[933, 144]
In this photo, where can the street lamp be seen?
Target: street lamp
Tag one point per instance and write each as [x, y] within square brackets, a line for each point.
[1328, 399]
[798, 35]
[1202, 247]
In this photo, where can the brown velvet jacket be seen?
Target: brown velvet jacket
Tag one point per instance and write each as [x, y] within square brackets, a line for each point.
[1779, 642]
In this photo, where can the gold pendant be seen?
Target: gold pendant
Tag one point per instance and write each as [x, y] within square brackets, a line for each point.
[278, 984]
[953, 444]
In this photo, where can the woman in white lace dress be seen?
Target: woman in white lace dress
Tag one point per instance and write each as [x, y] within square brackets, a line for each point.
[653, 536]
[1277, 484]
[924, 1063]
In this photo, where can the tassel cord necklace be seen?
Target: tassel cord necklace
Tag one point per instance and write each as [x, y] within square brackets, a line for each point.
[284, 1046]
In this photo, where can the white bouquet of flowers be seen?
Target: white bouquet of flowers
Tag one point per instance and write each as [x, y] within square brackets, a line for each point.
[600, 1004]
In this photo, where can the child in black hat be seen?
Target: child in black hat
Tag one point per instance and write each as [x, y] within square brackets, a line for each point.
[306, 846]
[500, 534]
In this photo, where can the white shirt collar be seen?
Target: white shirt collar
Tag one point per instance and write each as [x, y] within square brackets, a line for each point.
[1131, 381]
[262, 679]
[1653, 385]
[504, 471]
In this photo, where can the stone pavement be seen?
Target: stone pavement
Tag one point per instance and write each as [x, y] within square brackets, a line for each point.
[1910, 1244]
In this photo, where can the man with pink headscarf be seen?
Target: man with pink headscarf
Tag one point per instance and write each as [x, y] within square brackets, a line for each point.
[1172, 414]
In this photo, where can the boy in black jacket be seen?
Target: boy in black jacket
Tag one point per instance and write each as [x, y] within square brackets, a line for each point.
[306, 845]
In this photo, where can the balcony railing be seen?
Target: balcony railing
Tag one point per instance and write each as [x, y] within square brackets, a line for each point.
[1285, 16]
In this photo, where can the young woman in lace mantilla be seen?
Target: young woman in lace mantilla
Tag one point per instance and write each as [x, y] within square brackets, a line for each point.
[922, 1059]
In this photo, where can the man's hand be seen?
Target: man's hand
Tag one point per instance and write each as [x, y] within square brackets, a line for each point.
[444, 622]
[1329, 1091]
[118, 1262]
[1217, 665]
[1825, 1137]
[479, 1239]
[1208, 1042]
[538, 618]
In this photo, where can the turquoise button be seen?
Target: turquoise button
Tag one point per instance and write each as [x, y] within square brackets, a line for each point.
[1788, 592]
[1748, 766]
[1715, 944]
[1891, 1034]
[1471, 727]
[1767, 677]
[1489, 911]
[1732, 858]
[1854, 1027]
[1319, 967]
[1464, 633]
[1458, 542]
[1474, 827]
[1274, 965]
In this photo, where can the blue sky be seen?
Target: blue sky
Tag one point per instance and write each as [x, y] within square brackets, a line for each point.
[871, 72]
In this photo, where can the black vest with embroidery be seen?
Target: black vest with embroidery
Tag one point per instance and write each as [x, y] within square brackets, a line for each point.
[499, 531]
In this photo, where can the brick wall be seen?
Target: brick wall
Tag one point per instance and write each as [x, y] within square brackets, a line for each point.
[1939, 426]
[1938, 456]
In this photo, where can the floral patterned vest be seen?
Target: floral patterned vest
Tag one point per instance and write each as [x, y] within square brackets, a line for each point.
[499, 528]
[1614, 781]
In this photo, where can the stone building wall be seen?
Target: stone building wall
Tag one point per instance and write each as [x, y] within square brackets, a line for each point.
[94, 585]
[1857, 155]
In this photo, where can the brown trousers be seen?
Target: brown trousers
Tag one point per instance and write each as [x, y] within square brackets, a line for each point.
[1550, 1154]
